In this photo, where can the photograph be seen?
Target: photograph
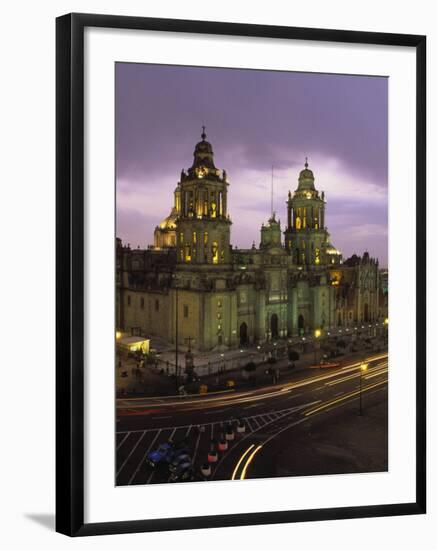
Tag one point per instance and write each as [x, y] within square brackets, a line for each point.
[251, 283]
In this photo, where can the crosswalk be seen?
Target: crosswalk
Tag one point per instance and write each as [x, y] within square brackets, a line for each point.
[132, 447]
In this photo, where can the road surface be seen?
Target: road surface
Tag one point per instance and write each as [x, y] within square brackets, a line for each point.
[305, 426]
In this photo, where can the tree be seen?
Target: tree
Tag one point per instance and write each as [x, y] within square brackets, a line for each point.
[250, 367]
[293, 355]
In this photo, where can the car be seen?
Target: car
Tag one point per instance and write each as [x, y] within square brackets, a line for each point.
[184, 472]
[178, 460]
[163, 454]
[166, 453]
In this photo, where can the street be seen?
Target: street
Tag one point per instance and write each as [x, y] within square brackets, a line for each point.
[304, 426]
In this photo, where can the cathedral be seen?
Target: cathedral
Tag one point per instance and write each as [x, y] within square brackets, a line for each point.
[223, 297]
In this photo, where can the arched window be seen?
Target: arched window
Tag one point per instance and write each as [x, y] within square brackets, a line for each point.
[243, 334]
[188, 253]
[301, 325]
[298, 223]
[215, 252]
[274, 326]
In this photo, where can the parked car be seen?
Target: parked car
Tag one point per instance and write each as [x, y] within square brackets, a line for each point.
[178, 460]
[184, 472]
[165, 453]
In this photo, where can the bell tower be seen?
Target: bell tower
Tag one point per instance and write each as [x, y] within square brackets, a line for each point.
[203, 225]
[306, 236]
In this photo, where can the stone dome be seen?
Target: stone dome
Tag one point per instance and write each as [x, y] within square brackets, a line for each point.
[170, 221]
[306, 178]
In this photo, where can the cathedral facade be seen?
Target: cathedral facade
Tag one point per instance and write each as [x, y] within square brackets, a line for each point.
[222, 297]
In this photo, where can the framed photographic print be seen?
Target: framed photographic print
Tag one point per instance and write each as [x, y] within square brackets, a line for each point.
[240, 274]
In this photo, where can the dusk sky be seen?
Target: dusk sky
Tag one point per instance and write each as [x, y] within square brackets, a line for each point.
[254, 119]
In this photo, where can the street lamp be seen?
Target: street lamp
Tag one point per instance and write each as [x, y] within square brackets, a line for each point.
[176, 332]
[363, 369]
[317, 334]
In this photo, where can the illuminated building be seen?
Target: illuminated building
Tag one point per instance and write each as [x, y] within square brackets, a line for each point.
[228, 297]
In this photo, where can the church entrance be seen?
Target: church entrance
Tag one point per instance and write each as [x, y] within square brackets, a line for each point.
[274, 326]
[244, 339]
[366, 313]
[301, 325]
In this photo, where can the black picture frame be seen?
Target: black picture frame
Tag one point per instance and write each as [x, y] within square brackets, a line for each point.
[70, 273]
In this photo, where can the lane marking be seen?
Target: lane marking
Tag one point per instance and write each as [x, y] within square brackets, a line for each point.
[133, 449]
[196, 447]
[215, 411]
[141, 462]
[123, 440]
[255, 421]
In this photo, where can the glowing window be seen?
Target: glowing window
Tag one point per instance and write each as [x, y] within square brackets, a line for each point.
[188, 253]
[298, 223]
[317, 256]
[215, 252]
[205, 237]
[194, 237]
[181, 238]
[213, 210]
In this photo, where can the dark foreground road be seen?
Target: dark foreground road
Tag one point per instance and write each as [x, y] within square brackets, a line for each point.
[307, 426]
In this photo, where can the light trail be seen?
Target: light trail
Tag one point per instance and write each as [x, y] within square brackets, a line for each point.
[376, 369]
[248, 461]
[343, 398]
[305, 419]
[376, 374]
[234, 397]
[234, 474]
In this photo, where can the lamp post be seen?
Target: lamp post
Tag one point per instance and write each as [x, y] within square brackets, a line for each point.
[176, 334]
[363, 369]
[317, 334]
[386, 329]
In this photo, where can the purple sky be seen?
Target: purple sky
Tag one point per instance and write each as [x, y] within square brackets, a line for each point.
[254, 119]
